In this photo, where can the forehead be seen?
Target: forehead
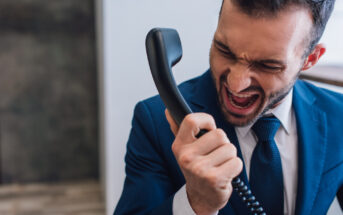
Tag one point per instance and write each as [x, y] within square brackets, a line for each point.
[276, 36]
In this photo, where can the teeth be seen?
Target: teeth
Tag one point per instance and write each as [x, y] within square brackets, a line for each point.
[240, 95]
[241, 107]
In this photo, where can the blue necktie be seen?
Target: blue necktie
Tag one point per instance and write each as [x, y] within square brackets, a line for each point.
[265, 168]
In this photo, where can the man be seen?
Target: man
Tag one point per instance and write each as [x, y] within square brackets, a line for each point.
[250, 91]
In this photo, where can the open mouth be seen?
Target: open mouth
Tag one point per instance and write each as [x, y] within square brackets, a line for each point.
[242, 103]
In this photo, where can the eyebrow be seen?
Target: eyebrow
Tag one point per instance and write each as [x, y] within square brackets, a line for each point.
[224, 47]
[261, 61]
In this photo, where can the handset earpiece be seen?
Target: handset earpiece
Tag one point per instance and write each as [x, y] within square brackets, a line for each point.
[164, 50]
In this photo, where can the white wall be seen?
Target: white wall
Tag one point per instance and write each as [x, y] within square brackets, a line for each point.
[124, 76]
[332, 37]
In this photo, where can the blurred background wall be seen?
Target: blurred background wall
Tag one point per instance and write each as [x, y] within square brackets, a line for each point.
[48, 91]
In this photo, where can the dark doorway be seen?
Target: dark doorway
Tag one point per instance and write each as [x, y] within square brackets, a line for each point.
[48, 91]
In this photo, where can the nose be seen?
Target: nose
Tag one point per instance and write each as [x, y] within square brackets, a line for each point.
[239, 78]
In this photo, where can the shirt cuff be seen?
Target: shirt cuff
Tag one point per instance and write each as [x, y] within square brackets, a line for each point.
[181, 205]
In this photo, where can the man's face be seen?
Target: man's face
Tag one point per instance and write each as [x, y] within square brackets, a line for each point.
[255, 61]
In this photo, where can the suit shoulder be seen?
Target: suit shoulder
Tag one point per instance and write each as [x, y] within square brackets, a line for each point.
[323, 95]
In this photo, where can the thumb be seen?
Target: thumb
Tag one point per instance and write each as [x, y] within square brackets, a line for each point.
[172, 124]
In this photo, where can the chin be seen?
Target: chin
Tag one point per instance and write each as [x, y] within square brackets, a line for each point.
[240, 120]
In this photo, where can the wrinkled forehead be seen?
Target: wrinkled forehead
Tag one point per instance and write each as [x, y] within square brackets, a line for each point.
[279, 35]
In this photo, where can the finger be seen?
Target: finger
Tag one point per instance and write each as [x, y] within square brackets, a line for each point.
[231, 168]
[192, 124]
[172, 123]
[210, 141]
[222, 154]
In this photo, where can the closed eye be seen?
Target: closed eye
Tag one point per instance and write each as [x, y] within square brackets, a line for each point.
[225, 50]
[227, 53]
[268, 68]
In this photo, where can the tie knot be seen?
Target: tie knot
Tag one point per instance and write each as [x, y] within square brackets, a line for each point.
[265, 128]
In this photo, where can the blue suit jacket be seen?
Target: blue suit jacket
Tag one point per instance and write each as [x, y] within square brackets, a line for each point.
[153, 175]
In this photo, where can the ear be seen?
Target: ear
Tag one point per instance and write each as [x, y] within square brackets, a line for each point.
[314, 56]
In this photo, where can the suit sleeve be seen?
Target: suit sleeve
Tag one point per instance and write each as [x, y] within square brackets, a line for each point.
[340, 196]
[147, 188]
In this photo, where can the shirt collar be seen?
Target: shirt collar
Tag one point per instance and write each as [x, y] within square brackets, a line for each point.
[282, 112]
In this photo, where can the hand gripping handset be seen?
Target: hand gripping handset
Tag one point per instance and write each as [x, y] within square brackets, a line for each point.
[164, 50]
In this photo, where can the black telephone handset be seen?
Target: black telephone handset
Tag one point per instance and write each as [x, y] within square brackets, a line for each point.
[164, 50]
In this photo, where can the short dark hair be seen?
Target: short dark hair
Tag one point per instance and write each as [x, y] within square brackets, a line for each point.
[320, 10]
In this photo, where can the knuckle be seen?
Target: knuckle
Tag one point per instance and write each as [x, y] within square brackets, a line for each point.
[220, 132]
[228, 151]
[174, 148]
[199, 169]
[185, 158]
[210, 119]
[221, 136]
[190, 120]
[232, 149]
[238, 164]
[212, 178]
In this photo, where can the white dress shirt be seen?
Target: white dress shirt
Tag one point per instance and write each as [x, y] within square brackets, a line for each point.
[286, 139]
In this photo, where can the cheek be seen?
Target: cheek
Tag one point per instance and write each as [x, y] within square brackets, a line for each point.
[272, 83]
[275, 83]
[219, 66]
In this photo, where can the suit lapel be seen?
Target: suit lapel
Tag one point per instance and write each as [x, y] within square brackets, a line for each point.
[311, 129]
[204, 99]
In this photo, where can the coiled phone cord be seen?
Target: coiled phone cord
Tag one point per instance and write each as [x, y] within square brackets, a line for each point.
[247, 197]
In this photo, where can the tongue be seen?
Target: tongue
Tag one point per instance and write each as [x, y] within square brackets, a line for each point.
[241, 101]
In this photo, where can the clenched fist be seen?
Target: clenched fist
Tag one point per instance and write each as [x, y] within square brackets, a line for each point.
[208, 163]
